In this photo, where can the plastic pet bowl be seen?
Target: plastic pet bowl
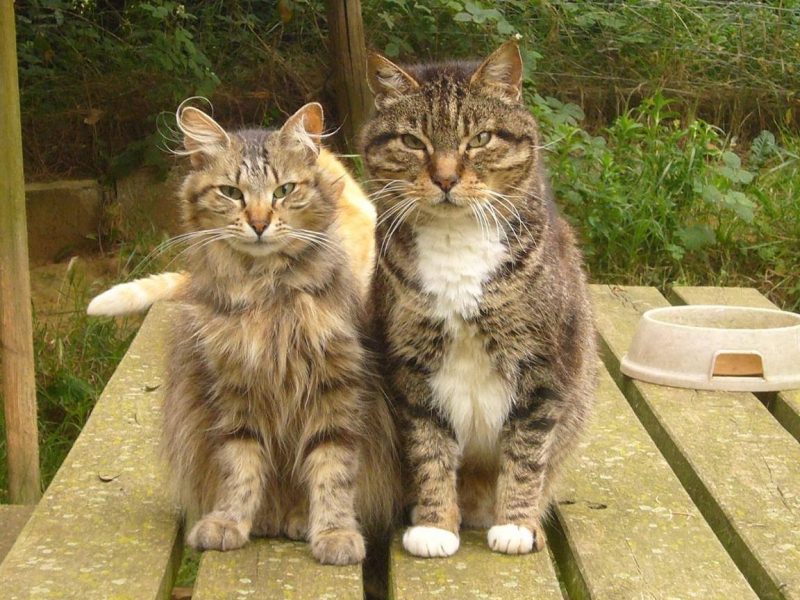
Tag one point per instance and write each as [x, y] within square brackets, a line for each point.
[731, 348]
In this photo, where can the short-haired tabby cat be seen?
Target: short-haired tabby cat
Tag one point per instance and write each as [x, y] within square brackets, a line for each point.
[270, 425]
[481, 301]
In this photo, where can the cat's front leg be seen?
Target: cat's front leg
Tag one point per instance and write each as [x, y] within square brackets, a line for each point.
[432, 457]
[240, 477]
[527, 442]
[329, 470]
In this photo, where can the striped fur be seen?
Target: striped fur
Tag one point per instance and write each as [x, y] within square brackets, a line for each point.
[480, 300]
[271, 424]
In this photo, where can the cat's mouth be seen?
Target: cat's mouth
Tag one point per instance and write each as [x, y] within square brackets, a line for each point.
[258, 247]
[447, 201]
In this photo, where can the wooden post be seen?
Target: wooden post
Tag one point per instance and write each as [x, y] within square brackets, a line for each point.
[349, 63]
[19, 387]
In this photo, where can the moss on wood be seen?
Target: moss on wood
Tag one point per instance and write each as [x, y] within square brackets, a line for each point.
[105, 527]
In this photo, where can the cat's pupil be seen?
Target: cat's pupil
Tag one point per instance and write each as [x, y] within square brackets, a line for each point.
[480, 140]
[412, 141]
[283, 190]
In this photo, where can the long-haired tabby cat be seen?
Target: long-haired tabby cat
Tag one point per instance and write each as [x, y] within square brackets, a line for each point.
[270, 426]
[481, 302]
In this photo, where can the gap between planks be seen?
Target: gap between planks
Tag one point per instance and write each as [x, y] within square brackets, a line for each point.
[720, 446]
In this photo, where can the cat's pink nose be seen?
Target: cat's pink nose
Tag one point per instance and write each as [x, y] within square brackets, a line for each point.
[444, 170]
[445, 181]
[259, 226]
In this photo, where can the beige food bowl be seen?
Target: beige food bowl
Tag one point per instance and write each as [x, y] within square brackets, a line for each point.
[732, 348]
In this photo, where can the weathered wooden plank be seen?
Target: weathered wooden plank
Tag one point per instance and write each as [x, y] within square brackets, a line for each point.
[349, 63]
[274, 569]
[627, 528]
[681, 294]
[737, 463]
[12, 519]
[105, 528]
[472, 572]
[16, 329]
[785, 406]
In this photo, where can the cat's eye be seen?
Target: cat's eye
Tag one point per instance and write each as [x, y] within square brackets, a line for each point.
[412, 142]
[231, 192]
[283, 190]
[480, 140]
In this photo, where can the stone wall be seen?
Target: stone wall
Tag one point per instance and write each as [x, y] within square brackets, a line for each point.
[70, 216]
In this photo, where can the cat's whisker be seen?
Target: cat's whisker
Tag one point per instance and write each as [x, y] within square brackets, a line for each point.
[395, 209]
[315, 242]
[474, 209]
[479, 218]
[401, 203]
[492, 212]
[527, 193]
[504, 201]
[167, 245]
[395, 226]
[550, 143]
[202, 243]
[398, 193]
[314, 238]
[498, 215]
[485, 227]
[395, 184]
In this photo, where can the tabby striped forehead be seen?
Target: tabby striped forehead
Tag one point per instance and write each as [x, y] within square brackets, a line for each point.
[255, 157]
[446, 108]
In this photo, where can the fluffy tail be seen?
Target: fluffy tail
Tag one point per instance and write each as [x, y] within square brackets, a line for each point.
[137, 296]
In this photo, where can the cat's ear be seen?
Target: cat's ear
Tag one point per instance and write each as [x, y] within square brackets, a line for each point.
[501, 73]
[388, 81]
[202, 136]
[305, 127]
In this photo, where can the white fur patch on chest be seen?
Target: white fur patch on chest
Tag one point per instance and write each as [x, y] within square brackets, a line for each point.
[454, 260]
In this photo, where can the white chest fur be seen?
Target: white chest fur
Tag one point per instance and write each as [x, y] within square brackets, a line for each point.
[455, 258]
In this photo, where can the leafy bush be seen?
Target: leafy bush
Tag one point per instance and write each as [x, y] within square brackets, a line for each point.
[95, 76]
[661, 200]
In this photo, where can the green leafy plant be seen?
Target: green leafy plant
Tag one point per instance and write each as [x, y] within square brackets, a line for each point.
[660, 200]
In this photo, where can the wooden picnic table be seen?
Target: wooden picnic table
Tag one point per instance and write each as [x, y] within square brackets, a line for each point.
[672, 494]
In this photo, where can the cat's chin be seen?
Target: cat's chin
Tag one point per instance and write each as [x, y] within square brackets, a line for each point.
[444, 209]
[259, 249]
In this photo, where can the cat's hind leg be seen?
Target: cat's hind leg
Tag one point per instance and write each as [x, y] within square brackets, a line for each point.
[476, 489]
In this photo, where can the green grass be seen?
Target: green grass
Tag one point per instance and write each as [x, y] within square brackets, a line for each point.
[75, 356]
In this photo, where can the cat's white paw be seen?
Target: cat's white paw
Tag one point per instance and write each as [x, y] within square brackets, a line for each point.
[430, 542]
[511, 539]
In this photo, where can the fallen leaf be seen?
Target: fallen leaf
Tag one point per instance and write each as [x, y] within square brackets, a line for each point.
[285, 11]
[107, 478]
[94, 115]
